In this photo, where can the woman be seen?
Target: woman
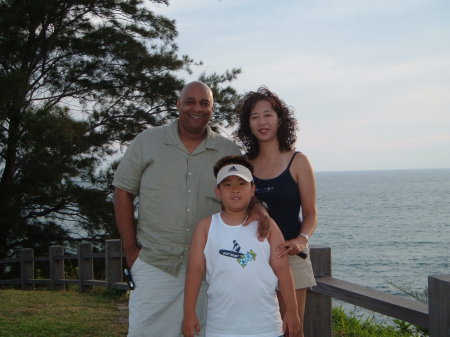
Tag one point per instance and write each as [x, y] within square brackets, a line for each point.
[284, 180]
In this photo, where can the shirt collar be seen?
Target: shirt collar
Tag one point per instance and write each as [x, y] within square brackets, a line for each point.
[172, 137]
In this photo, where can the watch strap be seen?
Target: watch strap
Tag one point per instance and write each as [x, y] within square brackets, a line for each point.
[306, 236]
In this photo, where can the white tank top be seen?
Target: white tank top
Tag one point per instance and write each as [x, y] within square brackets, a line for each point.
[241, 294]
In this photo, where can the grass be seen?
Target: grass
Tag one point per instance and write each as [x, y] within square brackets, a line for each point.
[96, 314]
[61, 313]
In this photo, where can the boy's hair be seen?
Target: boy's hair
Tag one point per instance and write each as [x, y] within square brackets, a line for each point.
[228, 160]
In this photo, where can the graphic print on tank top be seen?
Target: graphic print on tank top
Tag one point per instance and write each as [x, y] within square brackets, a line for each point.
[242, 259]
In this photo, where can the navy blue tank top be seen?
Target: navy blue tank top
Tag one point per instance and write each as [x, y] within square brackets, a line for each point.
[283, 198]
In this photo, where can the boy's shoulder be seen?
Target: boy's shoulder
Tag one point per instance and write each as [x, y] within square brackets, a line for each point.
[206, 219]
[275, 235]
[201, 231]
[204, 223]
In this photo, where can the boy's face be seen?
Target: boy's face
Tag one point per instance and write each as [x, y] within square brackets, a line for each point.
[235, 193]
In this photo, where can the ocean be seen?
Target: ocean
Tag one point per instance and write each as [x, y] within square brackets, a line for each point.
[385, 226]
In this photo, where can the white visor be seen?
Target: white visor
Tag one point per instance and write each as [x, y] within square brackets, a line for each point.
[234, 170]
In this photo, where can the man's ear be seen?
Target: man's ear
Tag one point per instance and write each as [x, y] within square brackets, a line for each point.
[253, 189]
[218, 194]
[178, 103]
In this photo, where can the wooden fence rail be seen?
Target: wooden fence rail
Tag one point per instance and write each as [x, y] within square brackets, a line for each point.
[85, 259]
[434, 316]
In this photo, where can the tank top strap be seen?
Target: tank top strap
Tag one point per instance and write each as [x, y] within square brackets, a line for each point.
[290, 162]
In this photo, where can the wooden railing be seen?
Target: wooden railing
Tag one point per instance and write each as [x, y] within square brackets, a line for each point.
[85, 262]
[435, 316]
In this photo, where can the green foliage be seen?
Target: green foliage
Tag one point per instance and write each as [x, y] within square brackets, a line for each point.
[349, 325]
[228, 97]
[78, 80]
[110, 293]
[70, 270]
[410, 329]
[421, 296]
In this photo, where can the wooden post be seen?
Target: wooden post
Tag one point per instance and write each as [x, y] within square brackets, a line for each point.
[113, 262]
[26, 268]
[317, 321]
[56, 267]
[439, 305]
[85, 265]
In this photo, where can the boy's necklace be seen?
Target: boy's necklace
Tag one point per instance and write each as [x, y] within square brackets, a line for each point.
[243, 221]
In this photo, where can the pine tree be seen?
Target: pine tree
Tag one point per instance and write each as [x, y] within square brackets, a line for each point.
[78, 80]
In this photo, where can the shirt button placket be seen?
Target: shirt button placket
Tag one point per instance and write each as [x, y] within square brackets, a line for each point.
[188, 197]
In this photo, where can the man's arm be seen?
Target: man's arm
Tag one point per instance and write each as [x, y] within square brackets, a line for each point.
[194, 276]
[124, 211]
[282, 270]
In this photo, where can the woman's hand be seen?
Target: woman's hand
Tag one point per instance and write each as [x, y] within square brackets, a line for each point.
[259, 213]
[292, 247]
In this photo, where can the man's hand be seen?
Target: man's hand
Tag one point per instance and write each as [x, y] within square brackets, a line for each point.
[259, 213]
[131, 255]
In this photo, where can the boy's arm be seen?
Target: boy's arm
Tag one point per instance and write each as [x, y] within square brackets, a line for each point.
[282, 270]
[194, 277]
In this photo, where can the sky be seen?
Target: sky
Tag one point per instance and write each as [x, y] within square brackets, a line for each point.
[369, 81]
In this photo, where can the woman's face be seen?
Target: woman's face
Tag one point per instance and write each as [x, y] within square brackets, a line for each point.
[264, 121]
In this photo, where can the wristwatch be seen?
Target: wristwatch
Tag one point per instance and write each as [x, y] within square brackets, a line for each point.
[265, 205]
[306, 236]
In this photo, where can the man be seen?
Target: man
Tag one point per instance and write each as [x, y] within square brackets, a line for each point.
[170, 169]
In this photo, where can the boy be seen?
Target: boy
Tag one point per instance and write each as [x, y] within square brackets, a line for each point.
[242, 272]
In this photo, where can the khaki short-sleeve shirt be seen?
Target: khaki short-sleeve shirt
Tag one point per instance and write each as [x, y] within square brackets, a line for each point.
[175, 189]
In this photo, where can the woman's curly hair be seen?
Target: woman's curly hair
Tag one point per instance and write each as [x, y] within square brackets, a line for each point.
[288, 124]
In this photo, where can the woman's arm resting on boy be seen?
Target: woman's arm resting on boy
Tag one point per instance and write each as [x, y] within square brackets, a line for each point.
[257, 211]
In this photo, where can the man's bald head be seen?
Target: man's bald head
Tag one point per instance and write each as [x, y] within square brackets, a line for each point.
[197, 84]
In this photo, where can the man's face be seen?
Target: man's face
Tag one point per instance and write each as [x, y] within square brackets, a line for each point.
[195, 108]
